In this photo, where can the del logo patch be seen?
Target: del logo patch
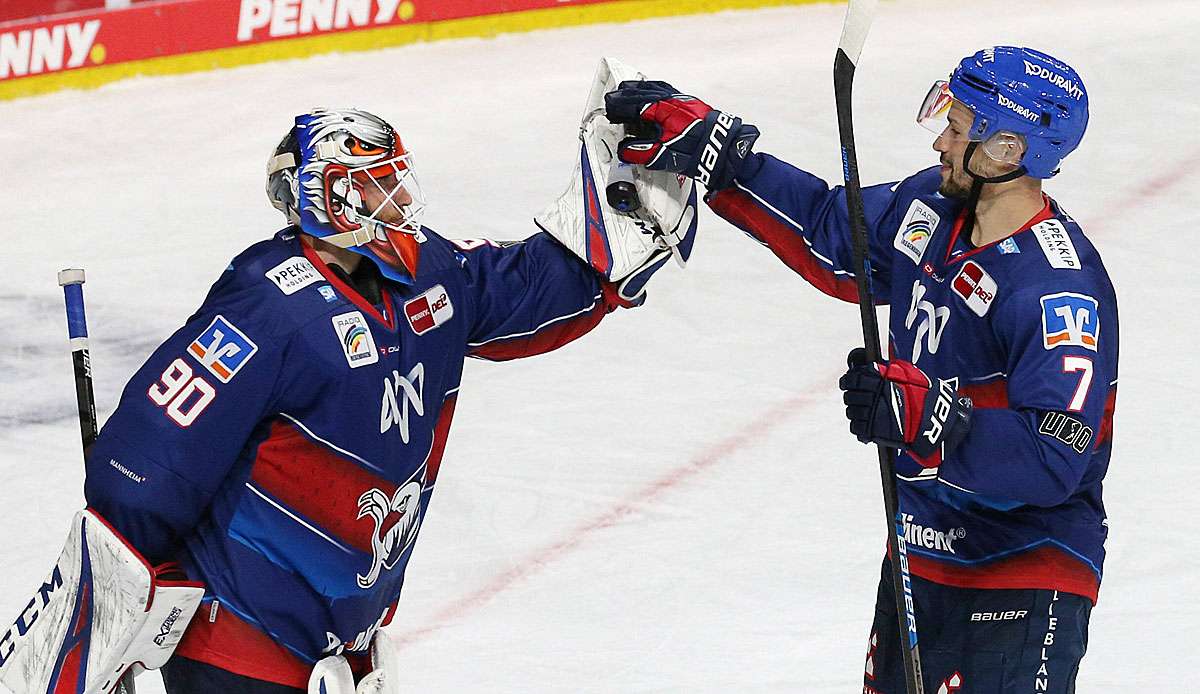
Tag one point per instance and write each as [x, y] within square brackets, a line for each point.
[974, 286]
[293, 274]
[429, 310]
[222, 349]
[913, 235]
[1070, 320]
[356, 339]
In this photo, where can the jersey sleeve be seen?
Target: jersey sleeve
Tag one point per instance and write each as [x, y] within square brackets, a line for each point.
[180, 425]
[531, 297]
[1038, 449]
[806, 224]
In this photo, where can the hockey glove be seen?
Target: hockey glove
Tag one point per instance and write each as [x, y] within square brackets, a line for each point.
[896, 405]
[679, 133]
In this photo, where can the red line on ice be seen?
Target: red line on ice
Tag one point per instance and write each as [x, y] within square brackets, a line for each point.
[1150, 188]
[531, 564]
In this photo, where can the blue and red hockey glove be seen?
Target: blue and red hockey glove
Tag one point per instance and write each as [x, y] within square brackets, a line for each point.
[679, 133]
[896, 404]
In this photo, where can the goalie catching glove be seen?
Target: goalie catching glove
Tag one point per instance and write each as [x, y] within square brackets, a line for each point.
[625, 243]
[680, 133]
[102, 610]
[895, 404]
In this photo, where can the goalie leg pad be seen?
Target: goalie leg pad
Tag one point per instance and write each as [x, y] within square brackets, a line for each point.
[101, 610]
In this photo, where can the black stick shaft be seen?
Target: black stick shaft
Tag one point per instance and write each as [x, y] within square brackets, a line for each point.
[72, 283]
[858, 18]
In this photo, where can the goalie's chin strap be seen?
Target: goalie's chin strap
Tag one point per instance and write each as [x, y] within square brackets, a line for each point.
[977, 187]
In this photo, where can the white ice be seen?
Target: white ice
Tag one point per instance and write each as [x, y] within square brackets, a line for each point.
[673, 503]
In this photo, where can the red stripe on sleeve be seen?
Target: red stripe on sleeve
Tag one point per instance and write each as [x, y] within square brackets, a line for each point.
[785, 242]
[992, 395]
[1106, 422]
[552, 336]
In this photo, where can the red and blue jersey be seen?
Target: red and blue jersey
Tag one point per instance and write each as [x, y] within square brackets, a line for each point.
[283, 445]
[1026, 327]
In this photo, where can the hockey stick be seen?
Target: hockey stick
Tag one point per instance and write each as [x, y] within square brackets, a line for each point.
[859, 15]
[72, 283]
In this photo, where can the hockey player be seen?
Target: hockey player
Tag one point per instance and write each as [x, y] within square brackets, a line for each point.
[283, 445]
[1001, 381]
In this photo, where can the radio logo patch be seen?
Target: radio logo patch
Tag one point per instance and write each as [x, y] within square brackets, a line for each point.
[915, 231]
[975, 287]
[429, 310]
[222, 349]
[1070, 320]
[355, 337]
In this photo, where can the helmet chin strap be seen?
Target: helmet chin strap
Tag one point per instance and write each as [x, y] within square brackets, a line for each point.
[977, 185]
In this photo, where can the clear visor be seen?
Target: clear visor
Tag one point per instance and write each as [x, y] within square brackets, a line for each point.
[934, 115]
[384, 196]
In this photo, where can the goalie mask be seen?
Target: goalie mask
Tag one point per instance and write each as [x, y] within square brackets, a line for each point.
[343, 176]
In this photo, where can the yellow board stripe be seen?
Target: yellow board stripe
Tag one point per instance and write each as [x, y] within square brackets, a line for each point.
[381, 37]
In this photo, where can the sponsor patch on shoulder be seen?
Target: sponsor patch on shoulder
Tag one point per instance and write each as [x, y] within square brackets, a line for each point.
[1056, 244]
[355, 337]
[1070, 320]
[293, 274]
[222, 349]
[915, 231]
[429, 310]
[975, 286]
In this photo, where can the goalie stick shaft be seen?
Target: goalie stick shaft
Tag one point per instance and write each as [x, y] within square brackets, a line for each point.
[71, 280]
[72, 283]
[859, 14]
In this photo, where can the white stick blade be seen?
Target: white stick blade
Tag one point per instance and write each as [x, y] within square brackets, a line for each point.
[859, 15]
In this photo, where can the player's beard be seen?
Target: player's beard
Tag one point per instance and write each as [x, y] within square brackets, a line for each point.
[954, 187]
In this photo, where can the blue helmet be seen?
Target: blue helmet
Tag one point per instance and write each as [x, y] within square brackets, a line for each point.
[1028, 93]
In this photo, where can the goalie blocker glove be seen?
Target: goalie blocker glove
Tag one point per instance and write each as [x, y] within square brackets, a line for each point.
[679, 133]
[895, 404]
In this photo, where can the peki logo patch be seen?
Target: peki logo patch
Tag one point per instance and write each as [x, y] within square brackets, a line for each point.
[1070, 320]
[974, 286]
[915, 231]
[293, 274]
[222, 349]
[1056, 244]
[429, 310]
[50, 49]
[397, 519]
[355, 336]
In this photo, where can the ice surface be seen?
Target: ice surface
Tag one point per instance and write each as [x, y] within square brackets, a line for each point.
[672, 503]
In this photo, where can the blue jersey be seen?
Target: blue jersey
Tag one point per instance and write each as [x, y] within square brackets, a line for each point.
[1026, 327]
[284, 443]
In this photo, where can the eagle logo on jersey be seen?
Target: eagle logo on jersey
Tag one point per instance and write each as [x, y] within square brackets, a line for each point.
[397, 520]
